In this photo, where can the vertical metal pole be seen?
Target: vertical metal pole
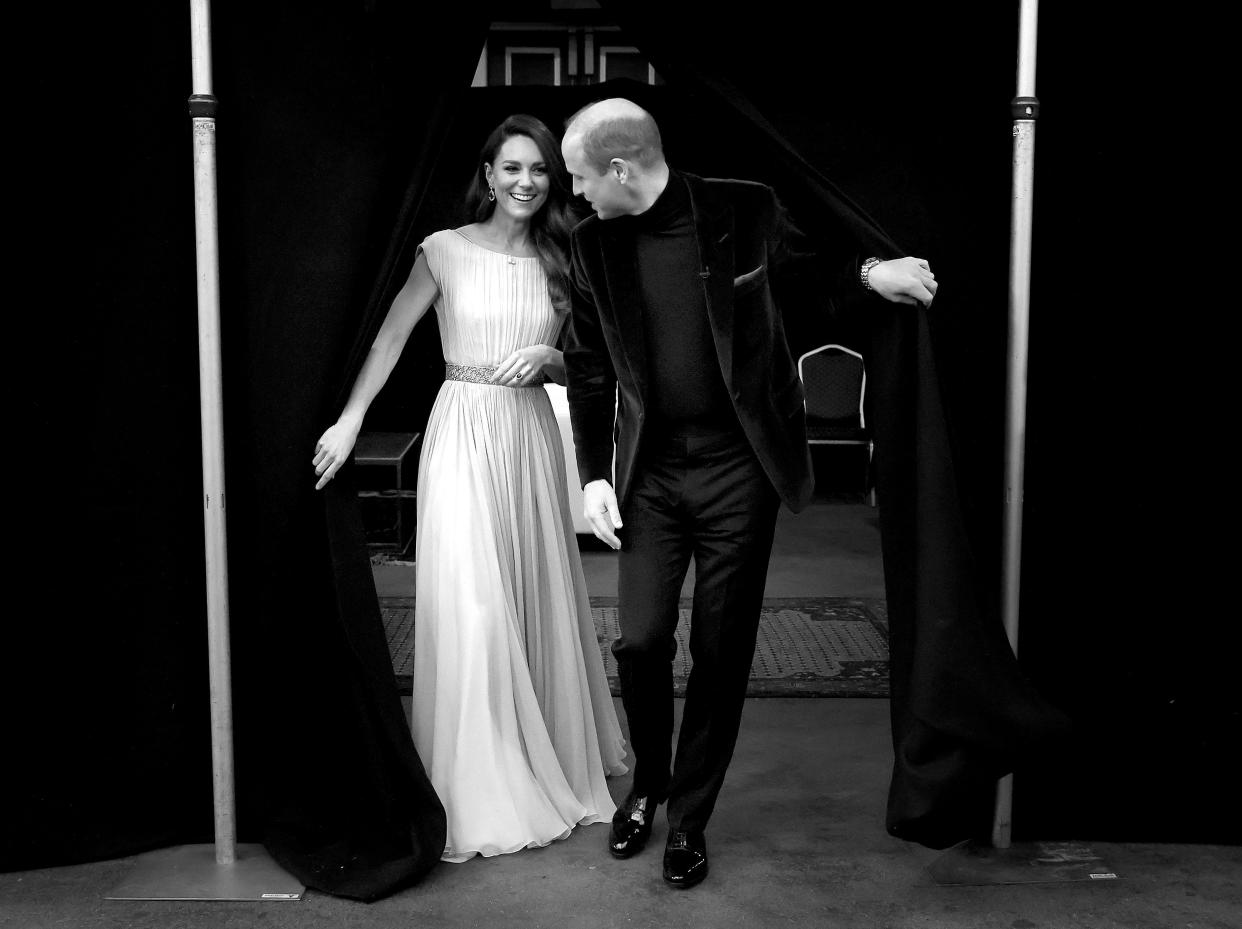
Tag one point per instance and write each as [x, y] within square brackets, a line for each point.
[203, 112]
[1025, 112]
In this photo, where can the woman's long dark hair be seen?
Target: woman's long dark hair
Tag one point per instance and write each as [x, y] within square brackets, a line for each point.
[550, 227]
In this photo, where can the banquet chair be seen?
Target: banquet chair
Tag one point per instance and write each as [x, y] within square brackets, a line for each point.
[834, 381]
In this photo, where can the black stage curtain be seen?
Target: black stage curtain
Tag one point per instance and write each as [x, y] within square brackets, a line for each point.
[1127, 571]
[325, 114]
[334, 126]
[106, 701]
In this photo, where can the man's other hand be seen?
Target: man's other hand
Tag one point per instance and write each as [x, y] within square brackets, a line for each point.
[599, 506]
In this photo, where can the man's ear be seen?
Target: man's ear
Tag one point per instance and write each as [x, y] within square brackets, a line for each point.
[620, 169]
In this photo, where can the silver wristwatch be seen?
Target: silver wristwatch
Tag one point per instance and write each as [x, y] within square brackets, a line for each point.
[864, 272]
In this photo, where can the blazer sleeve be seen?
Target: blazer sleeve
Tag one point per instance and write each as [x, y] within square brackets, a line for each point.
[794, 255]
[823, 264]
[590, 378]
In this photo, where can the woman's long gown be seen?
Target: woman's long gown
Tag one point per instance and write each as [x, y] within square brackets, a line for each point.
[511, 710]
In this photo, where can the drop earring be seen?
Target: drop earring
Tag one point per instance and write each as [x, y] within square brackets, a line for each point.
[491, 192]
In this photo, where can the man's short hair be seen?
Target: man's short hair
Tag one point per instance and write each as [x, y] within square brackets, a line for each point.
[634, 138]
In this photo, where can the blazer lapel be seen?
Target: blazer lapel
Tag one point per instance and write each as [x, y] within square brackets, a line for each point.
[713, 221]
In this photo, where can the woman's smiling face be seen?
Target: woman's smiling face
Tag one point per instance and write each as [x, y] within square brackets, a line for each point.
[519, 177]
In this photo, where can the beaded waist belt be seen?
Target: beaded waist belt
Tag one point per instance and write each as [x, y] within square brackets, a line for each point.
[482, 374]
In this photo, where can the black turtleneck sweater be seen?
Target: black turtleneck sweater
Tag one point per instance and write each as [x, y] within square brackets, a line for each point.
[686, 391]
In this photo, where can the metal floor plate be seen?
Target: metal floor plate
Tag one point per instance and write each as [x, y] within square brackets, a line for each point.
[190, 872]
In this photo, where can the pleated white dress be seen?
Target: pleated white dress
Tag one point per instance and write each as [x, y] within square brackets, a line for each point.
[511, 710]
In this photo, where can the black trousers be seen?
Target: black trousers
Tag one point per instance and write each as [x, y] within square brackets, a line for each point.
[706, 497]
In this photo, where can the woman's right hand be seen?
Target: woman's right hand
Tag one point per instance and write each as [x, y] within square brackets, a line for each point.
[332, 450]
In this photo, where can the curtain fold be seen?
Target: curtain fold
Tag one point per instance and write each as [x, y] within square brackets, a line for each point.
[330, 128]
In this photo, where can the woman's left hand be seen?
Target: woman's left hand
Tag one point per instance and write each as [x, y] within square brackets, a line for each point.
[525, 365]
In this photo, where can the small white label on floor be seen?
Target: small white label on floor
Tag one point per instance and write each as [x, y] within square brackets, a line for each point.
[280, 896]
[1104, 876]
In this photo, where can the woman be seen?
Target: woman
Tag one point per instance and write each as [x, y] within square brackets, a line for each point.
[511, 710]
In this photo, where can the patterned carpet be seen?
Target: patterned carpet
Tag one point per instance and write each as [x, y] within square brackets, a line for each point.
[807, 647]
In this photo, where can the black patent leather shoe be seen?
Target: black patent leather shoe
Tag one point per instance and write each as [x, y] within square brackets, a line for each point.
[631, 826]
[685, 859]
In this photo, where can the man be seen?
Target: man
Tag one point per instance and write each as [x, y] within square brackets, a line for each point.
[673, 320]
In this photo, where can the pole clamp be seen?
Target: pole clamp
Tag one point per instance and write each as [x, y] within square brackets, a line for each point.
[203, 106]
[1024, 107]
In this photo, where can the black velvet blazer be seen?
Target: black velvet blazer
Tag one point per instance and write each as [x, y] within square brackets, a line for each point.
[745, 241]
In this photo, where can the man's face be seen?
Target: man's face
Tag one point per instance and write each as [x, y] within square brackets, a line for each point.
[604, 192]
